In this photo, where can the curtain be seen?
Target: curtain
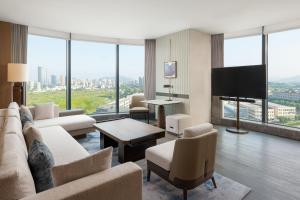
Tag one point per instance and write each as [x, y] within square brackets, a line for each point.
[217, 60]
[19, 37]
[150, 65]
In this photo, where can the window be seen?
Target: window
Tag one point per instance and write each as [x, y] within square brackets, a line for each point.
[47, 71]
[93, 70]
[239, 52]
[131, 73]
[284, 78]
[93, 77]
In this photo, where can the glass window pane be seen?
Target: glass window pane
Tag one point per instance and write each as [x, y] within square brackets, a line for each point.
[239, 52]
[243, 51]
[47, 71]
[131, 73]
[93, 76]
[284, 78]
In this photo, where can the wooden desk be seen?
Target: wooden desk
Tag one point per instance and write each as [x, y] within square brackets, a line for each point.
[132, 137]
[161, 116]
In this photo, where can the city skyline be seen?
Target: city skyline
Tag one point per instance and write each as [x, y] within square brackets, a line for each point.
[97, 59]
[44, 80]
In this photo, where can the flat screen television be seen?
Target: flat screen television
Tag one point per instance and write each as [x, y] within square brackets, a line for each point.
[170, 69]
[241, 81]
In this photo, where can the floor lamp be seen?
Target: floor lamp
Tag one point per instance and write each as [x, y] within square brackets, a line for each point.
[17, 73]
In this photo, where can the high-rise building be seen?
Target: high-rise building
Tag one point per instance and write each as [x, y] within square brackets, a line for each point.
[53, 80]
[40, 74]
[62, 81]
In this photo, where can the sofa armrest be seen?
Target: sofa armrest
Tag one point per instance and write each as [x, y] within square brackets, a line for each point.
[71, 112]
[121, 182]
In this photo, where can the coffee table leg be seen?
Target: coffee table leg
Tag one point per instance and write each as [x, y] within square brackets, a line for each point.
[133, 153]
[161, 118]
[108, 142]
[121, 153]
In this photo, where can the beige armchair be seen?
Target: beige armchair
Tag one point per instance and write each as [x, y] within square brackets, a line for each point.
[136, 106]
[186, 162]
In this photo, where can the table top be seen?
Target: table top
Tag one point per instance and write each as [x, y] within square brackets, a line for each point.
[161, 102]
[129, 131]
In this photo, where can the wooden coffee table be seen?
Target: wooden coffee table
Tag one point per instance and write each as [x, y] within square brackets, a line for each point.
[132, 137]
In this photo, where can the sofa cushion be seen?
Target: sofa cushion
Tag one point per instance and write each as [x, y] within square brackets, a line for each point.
[41, 161]
[63, 146]
[16, 180]
[12, 125]
[25, 115]
[197, 130]
[13, 105]
[31, 133]
[69, 123]
[139, 109]
[44, 111]
[161, 154]
[10, 113]
[92, 164]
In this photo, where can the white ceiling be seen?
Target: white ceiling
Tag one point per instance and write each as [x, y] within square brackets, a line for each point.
[140, 19]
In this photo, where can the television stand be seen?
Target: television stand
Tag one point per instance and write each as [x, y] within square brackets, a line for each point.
[237, 128]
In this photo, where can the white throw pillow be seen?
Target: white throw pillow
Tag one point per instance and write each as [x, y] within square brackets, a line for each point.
[92, 164]
[44, 111]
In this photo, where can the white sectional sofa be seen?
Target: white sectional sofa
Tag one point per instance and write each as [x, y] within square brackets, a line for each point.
[73, 121]
[16, 182]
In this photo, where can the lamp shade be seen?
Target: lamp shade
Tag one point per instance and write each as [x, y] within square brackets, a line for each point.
[17, 72]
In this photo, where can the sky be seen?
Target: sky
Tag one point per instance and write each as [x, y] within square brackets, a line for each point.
[284, 53]
[90, 60]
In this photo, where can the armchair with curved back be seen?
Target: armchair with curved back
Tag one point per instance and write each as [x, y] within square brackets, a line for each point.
[136, 106]
[187, 162]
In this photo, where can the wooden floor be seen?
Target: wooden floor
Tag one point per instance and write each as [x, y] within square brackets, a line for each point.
[269, 165]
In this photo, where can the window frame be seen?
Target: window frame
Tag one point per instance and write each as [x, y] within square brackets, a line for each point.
[69, 71]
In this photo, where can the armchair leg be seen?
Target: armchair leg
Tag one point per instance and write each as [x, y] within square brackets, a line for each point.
[148, 175]
[184, 194]
[148, 115]
[214, 181]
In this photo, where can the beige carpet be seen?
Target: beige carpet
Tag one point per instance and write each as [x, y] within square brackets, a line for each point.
[159, 189]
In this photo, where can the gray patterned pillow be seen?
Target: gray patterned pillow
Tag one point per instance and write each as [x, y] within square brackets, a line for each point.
[25, 115]
[41, 161]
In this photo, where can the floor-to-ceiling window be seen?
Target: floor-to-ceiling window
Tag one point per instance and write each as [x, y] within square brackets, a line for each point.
[90, 80]
[131, 73]
[239, 52]
[93, 76]
[47, 70]
[284, 77]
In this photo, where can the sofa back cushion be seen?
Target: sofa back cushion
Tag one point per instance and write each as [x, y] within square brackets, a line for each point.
[13, 105]
[56, 111]
[15, 177]
[10, 113]
[44, 111]
[12, 125]
[92, 164]
[31, 133]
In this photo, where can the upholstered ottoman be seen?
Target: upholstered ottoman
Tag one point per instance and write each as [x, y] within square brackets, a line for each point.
[176, 123]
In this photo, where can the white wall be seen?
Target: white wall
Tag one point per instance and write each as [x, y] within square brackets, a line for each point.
[200, 76]
[191, 49]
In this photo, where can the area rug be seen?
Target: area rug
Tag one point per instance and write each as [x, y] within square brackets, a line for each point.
[159, 189]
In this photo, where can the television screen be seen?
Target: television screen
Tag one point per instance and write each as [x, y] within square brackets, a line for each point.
[242, 81]
[170, 70]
